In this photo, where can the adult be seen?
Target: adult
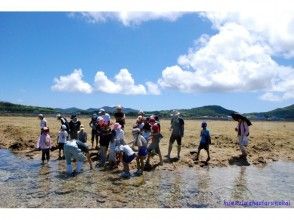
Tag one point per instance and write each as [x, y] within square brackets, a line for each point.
[72, 151]
[63, 121]
[74, 127]
[119, 116]
[177, 133]
[105, 116]
[94, 134]
[243, 132]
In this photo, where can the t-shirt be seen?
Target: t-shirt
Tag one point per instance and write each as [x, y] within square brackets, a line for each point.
[74, 127]
[119, 117]
[126, 149]
[82, 136]
[205, 137]
[105, 135]
[62, 137]
[43, 123]
[106, 118]
[119, 137]
[177, 125]
[146, 127]
[64, 122]
[140, 141]
[93, 123]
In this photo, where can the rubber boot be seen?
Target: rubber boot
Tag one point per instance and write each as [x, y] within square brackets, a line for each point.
[79, 166]
[69, 169]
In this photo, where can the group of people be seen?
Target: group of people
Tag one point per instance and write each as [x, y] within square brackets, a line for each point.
[109, 139]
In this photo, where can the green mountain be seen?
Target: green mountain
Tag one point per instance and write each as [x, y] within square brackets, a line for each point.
[286, 113]
[214, 111]
[7, 107]
[211, 111]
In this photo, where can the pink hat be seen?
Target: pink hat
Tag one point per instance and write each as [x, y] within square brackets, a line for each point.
[116, 126]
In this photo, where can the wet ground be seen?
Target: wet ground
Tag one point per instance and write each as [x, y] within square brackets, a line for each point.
[24, 182]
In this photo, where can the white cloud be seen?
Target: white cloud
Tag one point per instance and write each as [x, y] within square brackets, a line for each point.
[237, 58]
[123, 83]
[275, 28]
[269, 96]
[72, 83]
[130, 18]
[153, 88]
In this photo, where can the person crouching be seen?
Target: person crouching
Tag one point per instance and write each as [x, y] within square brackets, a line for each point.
[126, 155]
[72, 151]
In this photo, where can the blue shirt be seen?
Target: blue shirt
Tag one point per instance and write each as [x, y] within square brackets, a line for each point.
[205, 136]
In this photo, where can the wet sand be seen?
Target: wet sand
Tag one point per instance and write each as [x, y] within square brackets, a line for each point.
[25, 183]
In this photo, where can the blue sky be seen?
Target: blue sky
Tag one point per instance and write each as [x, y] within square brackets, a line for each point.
[188, 59]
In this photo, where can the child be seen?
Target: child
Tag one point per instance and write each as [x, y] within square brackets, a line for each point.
[126, 155]
[44, 143]
[43, 121]
[61, 140]
[146, 130]
[141, 142]
[105, 137]
[154, 146]
[82, 135]
[205, 141]
[93, 125]
[116, 140]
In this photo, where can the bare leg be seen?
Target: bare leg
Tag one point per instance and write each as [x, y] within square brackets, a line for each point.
[138, 163]
[179, 150]
[169, 150]
[142, 163]
[126, 167]
[197, 156]
[208, 156]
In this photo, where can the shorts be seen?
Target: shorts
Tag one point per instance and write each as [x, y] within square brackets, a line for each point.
[243, 140]
[154, 147]
[60, 146]
[142, 151]
[203, 146]
[128, 159]
[174, 138]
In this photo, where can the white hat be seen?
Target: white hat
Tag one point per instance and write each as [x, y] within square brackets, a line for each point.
[63, 127]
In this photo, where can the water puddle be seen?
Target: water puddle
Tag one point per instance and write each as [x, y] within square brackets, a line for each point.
[25, 182]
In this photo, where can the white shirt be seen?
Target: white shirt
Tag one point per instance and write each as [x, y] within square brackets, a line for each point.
[43, 123]
[62, 137]
[126, 149]
[106, 118]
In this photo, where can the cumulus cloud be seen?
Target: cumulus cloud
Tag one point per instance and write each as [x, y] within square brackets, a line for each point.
[130, 18]
[123, 83]
[237, 58]
[153, 88]
[275, 28]
[72, 83]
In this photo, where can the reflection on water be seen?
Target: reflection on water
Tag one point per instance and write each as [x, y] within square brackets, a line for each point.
[26, 183]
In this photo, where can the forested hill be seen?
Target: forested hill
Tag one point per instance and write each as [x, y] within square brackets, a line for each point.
[211, 111]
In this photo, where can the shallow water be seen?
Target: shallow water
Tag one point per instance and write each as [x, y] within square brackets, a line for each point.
[24, 182]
